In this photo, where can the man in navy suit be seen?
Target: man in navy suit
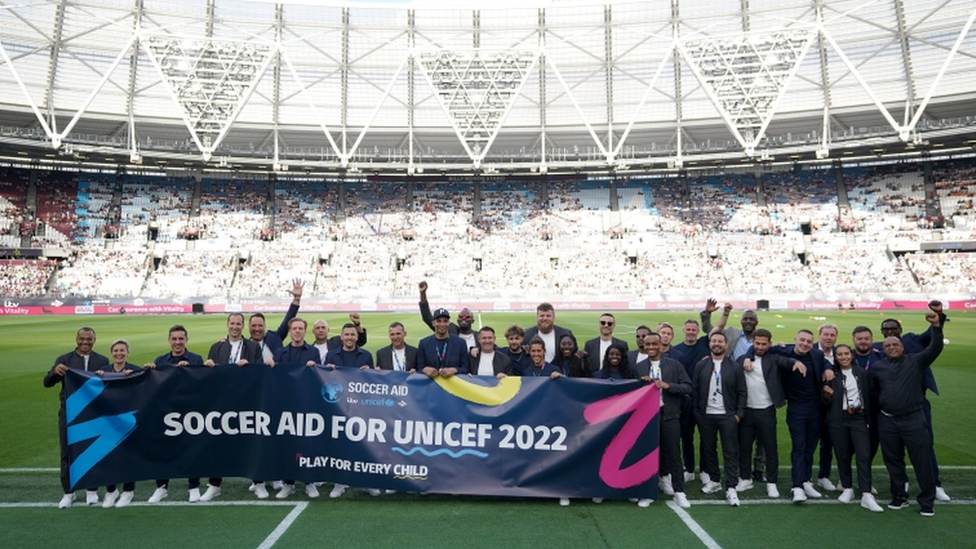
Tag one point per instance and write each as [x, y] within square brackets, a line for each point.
[272, 341]
[442, 354]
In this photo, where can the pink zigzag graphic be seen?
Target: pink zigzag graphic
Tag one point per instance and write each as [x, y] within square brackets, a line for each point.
[643, 403]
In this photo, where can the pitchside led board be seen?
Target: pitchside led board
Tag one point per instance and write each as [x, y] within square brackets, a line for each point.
[519, 436]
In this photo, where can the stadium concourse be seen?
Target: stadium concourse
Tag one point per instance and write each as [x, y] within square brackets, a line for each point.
[838, 234]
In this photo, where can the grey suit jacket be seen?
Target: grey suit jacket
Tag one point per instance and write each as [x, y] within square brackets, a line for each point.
[384, 358]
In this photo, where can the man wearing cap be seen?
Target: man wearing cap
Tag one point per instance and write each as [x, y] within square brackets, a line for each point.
[463, 327]
[442, 354]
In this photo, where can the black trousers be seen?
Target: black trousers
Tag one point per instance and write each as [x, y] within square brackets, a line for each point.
[826, 450]
[710, 427]
[63, 440]
[670, 455]
[688, 434]
[851, 439]
[908, 432]
[759, 426]
[127, 487]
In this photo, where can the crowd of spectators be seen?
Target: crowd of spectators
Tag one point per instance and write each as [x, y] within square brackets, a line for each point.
[93, 272]
[21, 278]
[945, 272]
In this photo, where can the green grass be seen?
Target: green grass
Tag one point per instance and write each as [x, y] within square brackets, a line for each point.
[28, 439]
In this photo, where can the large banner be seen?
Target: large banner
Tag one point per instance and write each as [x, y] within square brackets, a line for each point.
[519, 436]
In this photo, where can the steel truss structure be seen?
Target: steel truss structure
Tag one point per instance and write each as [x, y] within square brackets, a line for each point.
[534, 88]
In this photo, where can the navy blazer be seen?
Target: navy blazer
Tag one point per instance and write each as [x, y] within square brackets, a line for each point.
[384, 358]
[592, 349]
[455, 355]
[673, 373]
[733, 386]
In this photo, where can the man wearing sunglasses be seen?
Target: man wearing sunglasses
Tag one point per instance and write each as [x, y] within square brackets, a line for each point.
[594, 349]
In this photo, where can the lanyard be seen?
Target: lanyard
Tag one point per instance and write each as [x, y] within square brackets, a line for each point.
[235, 351]
[398, 363]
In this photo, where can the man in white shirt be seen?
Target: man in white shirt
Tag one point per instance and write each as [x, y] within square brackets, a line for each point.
[595, 349]
[827, 335]
[547, 330]
[397, 356]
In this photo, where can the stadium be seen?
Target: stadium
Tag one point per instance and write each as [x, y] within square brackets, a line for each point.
[816, 160]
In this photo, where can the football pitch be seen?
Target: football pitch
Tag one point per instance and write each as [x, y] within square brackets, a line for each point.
[29, 487]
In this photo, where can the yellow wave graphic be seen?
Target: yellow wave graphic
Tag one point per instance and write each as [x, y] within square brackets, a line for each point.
[506, 389]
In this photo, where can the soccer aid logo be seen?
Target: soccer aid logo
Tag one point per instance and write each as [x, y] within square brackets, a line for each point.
[331, 392]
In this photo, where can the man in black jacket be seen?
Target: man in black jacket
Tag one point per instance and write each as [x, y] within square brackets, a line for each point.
[82, 358]
[671, 379]
[898, 381]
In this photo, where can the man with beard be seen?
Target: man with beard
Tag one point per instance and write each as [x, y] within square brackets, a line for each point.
[804, 412]
[671, 379]
[638, 354]
[764, 390]
[82, 358]
[898, 380]
[740, 341]
[719, 395]
[915, 343]
[272, 341]
[547, 330]
[323, 343]
[520, 358]
[595, 349]
[491, 360]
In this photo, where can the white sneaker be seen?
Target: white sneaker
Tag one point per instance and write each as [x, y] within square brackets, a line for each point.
[66, 500]
[194, 495]
[664, 484]
[798, 495]
[337, 490]
[689, 476]
[390, 492]
[874, 491]
[771, 490]
[644, 503]
[125, 499]
[564, 502]
[212, 492]
[252, 487]
[846, 496]
[732, 497]
[277, 484]
[597, 500]
[826, 484]
[91, 497]
[285, 491]
[109, 500]
[871, 504]
[703, 476]
[810, 491]
[159, 495]
[260, 490]
[682, 500]
[311, 491]
[744, 484]
[375, 492]
[711, 487]
[941, 494]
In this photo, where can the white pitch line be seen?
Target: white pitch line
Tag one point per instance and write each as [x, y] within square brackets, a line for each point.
[283, 526]
[694, 526]
[15, 470]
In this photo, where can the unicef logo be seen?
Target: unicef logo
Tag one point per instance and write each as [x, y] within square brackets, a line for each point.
[332, 392]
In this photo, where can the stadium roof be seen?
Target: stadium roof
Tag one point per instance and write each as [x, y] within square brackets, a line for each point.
[426, 87]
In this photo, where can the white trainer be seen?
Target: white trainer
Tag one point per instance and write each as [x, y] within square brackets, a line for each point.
[664, 484]
[744, 484]
[732, 497]
[159, 495]
[194, 495]
[311, 490]
[277, 484]
[846, 496]
[644, 503]
[810, 491]
[682, 500]
[564, 502]
[337, 490]
[826, 484]
[260, 490]
[871, 504]
[597, 500]
[941, 494]
[711, 487]
[285, 491]
[125, 499]
[91, 497]
[771, 490]
[212, 492]
[66, 500]
[689, 476]
[798, 495]
[704, 477]
[109, 500]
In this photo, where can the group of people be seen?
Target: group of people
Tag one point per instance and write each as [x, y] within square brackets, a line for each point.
[726, 382]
